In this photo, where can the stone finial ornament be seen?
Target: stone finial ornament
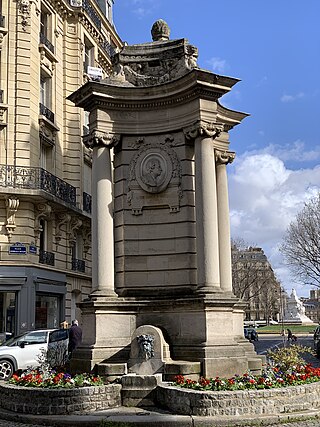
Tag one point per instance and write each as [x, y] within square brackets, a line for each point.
[160, 31]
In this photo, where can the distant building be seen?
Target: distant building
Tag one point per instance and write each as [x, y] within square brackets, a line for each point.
[255, 283]
[48, 49]
[312, 305]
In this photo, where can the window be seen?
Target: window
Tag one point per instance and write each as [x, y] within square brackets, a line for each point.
[46, 154]
[43, 234]
[47, 311]
[88, 60]
[45, 23]
[7, 313]
[37, 337]
[77, 253]
[45, 91]
[60, 335]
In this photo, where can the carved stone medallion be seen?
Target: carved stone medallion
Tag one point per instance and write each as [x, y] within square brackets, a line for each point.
[154, 170]
[154, 175]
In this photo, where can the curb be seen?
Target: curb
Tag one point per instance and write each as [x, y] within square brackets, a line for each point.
[155, 418]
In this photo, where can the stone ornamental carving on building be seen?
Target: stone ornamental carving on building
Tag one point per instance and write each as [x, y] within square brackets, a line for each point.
[154, 169]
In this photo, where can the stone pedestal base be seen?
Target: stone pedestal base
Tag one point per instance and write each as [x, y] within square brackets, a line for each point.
[139, 390]
[198, 329]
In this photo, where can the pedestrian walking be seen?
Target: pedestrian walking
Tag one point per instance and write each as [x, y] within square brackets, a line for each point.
[75, 337]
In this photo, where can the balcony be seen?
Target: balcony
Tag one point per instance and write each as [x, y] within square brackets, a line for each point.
[46, 257]
[78, 265]
[37, 179]
[43, 40]
[108, 49]
[87, 199]
[44, 111]
[91, 13]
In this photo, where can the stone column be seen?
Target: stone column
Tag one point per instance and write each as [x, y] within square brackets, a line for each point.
[206, 206]
[102, 213]
[222, 159]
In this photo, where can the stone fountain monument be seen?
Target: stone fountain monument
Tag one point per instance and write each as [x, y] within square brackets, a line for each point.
[160, 217]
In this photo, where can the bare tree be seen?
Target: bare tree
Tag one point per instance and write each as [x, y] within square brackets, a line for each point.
[301, 243]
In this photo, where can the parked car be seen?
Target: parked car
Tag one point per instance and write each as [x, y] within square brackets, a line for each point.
[5, 336]
[22, 352]
[251, 334]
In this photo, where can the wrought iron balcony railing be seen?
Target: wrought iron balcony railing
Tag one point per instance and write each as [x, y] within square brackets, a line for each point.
[46, 42]
[46, 257]
[92, 13]
[106, 46]
[44, 111]
[78, 265]
[37, 179]
[87, 199]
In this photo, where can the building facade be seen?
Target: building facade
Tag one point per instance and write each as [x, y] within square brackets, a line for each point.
[254, 281]
[312, 305]
[48, 49]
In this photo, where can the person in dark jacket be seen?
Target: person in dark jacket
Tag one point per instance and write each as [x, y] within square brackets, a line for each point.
[75, 337]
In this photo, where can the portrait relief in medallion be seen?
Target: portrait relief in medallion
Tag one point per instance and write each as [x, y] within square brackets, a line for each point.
[154, 171]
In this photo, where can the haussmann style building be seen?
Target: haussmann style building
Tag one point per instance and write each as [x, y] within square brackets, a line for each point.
[48, 49]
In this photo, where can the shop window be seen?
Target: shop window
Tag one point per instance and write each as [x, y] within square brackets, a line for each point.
[48, 308]
[7, 314]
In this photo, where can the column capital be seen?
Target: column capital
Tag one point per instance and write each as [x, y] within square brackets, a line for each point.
[224, 157]
[202, 128]
[97, 138]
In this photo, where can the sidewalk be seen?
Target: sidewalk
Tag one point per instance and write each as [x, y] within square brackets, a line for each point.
[125, 417]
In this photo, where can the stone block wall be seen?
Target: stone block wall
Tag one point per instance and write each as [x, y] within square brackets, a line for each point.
[59, 401]
[247, 402]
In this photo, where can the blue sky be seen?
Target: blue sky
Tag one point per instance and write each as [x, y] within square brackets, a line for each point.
[274, 48]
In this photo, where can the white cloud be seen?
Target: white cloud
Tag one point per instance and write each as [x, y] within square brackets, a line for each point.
[265, 197]
[293, 151]
[142, 8]
[291, 98]
[217, 64]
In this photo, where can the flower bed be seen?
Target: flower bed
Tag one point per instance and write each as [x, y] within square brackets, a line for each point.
[59, 400]
[272, 377]
[53, 379]
[247, 402]
[285, 386]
